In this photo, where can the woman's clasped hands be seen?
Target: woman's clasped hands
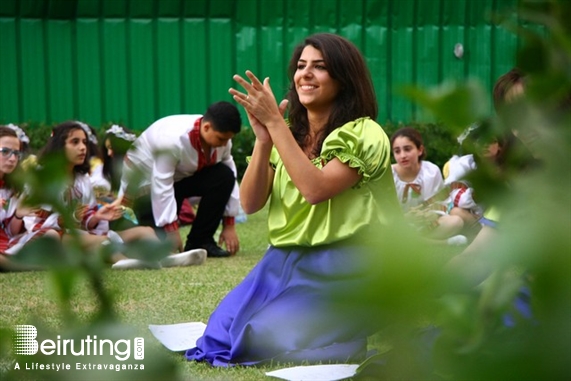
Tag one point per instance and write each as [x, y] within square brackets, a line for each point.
[260, 104]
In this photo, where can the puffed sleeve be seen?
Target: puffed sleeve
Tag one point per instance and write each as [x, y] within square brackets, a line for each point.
[363, 145]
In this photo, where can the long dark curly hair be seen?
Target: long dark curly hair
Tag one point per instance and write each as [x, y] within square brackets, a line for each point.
[56, 143]
[356, 97]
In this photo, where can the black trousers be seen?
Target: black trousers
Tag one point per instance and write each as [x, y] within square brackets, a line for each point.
[213, 185]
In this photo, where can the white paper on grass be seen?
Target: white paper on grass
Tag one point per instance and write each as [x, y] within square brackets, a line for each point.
[332, 372]
[178, 337]
[181, 337]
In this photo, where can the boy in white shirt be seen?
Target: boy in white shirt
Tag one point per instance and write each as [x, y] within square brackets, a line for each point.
[181, 156]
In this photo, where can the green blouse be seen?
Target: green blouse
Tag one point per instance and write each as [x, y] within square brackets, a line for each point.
[292, 221]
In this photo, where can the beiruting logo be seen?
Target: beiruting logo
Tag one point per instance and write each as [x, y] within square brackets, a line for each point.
[25, 343]
[25, 340]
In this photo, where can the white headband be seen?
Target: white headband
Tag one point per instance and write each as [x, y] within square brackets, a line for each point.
[20, 133]
[119, 132]
[92, 138]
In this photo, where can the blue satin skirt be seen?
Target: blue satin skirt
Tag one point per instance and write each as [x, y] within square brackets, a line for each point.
[294, 306]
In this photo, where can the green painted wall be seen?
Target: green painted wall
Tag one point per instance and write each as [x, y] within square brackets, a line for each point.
[133, 61]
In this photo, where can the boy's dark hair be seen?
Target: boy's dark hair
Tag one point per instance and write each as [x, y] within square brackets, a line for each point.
[56, 144]
[413, 135]
[224, 117]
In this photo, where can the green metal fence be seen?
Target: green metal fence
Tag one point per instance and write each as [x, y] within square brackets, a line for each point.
[133, 61]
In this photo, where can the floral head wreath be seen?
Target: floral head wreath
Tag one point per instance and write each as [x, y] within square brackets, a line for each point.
[20, 133]
[92, 138]
[119, 132]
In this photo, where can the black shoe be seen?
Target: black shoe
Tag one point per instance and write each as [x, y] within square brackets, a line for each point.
[212, 250]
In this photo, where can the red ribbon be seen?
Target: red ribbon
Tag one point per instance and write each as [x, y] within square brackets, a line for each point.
[415, 188]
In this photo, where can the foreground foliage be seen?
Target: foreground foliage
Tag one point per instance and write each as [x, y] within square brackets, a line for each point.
[437, 325]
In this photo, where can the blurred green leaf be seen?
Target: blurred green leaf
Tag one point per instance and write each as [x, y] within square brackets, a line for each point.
[454, 104]
[46, 183]
[533, 57]
[44, 252]
[146, 250]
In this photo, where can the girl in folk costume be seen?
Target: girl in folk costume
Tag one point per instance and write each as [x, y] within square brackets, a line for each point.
[418, 182]
[12, 211]
[106, 175]
[460, 201]
[71, 139]
[116, 143]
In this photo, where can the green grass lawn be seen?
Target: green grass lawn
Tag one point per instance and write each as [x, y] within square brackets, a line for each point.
[144, 297]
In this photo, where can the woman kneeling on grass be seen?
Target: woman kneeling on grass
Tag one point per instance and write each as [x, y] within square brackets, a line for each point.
[327, 177]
